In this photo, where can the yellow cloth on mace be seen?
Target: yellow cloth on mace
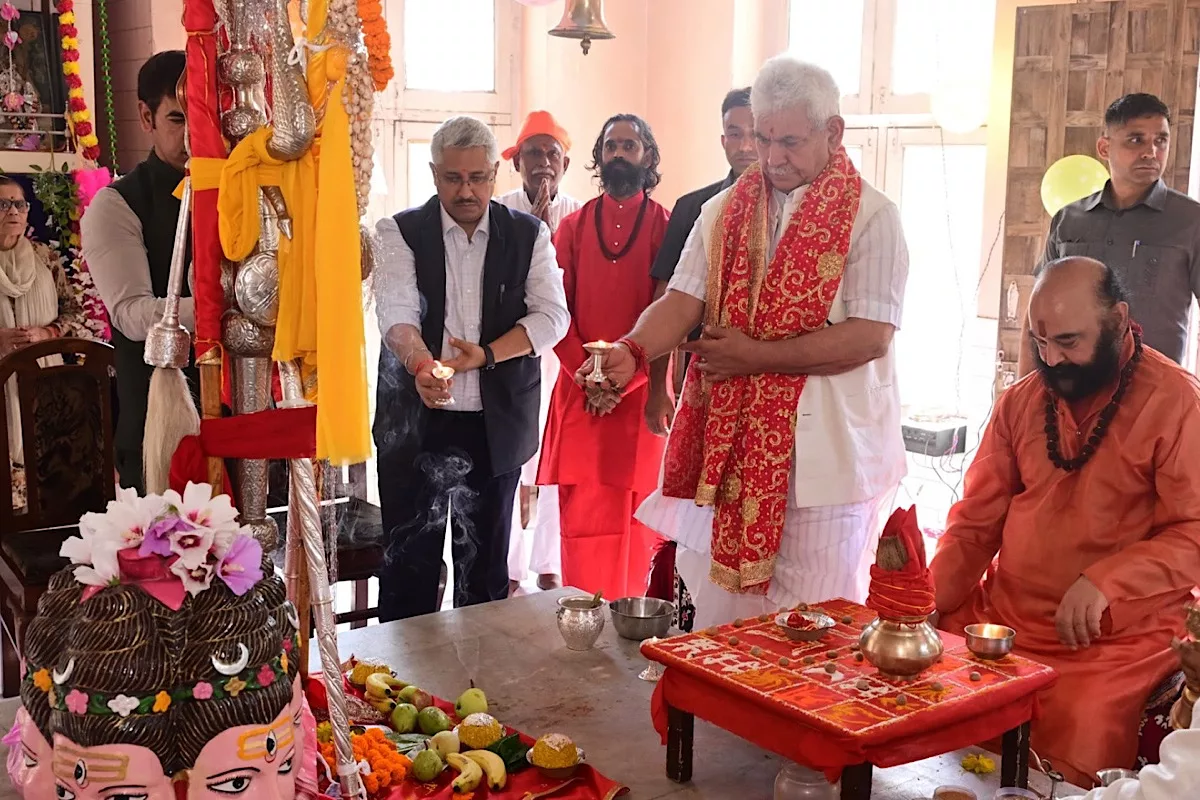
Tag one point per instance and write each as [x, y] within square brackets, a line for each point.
[320, 279]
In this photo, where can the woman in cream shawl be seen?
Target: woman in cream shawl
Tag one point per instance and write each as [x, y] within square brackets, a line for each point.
[36, 301]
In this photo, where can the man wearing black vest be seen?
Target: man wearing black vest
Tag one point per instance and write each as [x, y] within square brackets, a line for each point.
[127, 235]
[470, 284]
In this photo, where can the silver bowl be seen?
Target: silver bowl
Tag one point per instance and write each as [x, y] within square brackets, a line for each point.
[990, 642]
[1113, 774]
[824, 622]
[580, 621]
[639, 618]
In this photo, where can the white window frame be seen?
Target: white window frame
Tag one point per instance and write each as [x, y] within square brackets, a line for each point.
[898, 138]
[496, 107]
[868, 140]
[858, 101]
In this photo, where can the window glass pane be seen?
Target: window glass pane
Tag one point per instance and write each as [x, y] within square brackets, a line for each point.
[420, 179]
[941, 206]
[936, 40]
[829, 33]
[450, 45]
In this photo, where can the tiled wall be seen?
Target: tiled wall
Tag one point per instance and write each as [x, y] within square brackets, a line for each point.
[138, 29]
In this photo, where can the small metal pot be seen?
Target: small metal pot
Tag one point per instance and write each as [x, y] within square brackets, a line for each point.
[901, 650]
[639, 618]
[580, 621]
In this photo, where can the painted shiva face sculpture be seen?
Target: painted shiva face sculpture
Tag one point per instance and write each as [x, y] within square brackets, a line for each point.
[30, 760]
[251, 761]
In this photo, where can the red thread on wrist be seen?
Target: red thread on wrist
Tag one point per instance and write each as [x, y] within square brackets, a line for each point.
[637, 351]
[422, 364]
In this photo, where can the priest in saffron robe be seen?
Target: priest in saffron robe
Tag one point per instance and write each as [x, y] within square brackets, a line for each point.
[540, 156]
[602, 457]
[786, 450]
[1081, 512]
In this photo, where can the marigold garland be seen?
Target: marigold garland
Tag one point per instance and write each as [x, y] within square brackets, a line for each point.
[387, 766]
[378, 41]
[78, 116]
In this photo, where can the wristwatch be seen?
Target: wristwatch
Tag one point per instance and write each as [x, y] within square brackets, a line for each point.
[489, 358]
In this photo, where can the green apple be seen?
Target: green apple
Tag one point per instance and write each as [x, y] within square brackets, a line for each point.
[472, 701]
[406, 694]
[433, 720]
[404, 718]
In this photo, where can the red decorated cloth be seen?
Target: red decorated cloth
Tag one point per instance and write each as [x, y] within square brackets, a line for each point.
[205, 140]
[731, 445]
[279, 433]
[906, 594]
[588, 784]
[825, 720]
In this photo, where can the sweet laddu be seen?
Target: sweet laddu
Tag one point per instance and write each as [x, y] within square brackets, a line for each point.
[162, 664]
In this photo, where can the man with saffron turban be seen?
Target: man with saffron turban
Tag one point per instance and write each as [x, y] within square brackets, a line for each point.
[786, 448]
[1082, 509]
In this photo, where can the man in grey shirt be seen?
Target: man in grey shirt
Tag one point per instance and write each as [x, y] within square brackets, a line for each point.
[1148, 233]
[128, 234]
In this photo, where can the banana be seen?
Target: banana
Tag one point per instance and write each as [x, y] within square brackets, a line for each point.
[492, 766]
[383, 686]
[470, 773]
[380, 704]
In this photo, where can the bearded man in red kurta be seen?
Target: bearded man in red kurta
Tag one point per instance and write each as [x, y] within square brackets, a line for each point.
[1087, 487]
[601, 455]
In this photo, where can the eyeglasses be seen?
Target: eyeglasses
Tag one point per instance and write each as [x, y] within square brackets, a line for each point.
[454, 179]
[20, 206]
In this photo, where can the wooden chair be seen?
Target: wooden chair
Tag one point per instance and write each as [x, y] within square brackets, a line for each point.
[67, 434]
[358, 525]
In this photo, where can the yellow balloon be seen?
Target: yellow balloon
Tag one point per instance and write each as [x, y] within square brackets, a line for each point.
[1070, 179]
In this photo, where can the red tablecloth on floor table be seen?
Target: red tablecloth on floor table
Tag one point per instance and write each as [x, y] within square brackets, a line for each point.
[752, 681]
[588, 783]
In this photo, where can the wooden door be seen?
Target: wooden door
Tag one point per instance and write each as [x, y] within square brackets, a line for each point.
[1069, 63]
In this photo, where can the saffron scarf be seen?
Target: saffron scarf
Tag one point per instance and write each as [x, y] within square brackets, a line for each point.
[733, 440]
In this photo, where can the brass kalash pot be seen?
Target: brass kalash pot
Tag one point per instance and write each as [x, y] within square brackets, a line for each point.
[900, 649]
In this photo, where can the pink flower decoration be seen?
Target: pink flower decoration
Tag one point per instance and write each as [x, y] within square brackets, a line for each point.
[287, 645]
[77, 702]
[266, 676]
[9, 12]
[14, 101]
[241, 568]
[202, 690]
[11, 39]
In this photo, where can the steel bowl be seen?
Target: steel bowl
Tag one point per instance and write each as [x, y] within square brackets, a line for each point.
[954, 793]
[557, 773]
[639, 618]
[990, 642]
[1113, 774]
[824, 623]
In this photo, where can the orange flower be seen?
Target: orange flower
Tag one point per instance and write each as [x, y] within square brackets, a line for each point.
[41, 679]
[162, 701]
[379, 43]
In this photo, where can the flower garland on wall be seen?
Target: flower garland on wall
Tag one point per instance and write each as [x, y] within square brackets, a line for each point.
[78, 116]
[64, 195]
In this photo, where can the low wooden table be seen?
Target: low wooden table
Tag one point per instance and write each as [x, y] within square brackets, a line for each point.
[821, 704]
[513, 650]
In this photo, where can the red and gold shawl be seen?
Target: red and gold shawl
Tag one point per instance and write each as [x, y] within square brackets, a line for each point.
[732, 442]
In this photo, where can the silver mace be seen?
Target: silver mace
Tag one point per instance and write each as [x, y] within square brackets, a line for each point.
[168, 343]
[304, 523]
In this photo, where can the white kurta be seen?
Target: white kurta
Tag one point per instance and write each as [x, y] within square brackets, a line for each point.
[1175, 776]
[543, 555]
[826, 550]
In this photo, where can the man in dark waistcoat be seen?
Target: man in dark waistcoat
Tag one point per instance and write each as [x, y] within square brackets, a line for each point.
[465, 282]
[128, 234]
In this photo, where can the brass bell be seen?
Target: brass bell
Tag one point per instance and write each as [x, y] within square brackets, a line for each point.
[583, 20]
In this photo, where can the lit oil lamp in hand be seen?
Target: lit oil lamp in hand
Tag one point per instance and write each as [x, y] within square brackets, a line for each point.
[598, 349]
[443, 373]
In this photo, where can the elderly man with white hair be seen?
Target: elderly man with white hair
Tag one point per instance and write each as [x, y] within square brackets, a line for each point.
[786, 452]
[466, 283]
